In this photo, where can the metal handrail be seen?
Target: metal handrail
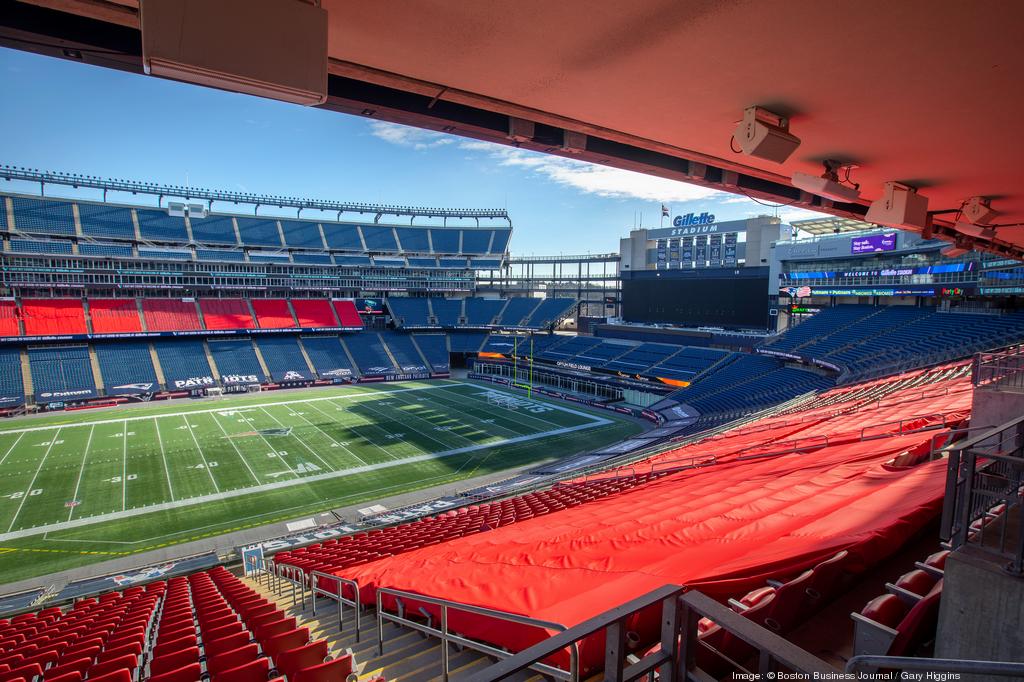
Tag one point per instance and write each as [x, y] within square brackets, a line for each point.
[315, 589]
[571, 675]
[866, 663]
[901, 422]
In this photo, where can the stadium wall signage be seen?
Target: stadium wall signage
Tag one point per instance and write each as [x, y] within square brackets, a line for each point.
[64, 395]
[194, 382]
[228, 379]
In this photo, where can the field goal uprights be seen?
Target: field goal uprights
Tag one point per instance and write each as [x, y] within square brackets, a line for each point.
[506, 401]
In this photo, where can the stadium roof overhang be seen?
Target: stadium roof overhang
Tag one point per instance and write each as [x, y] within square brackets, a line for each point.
[918, 92]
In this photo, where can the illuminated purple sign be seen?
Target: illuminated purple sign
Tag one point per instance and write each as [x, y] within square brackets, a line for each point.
[873, 242]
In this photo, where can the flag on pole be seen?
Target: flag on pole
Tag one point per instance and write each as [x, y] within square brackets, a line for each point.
[664, 211]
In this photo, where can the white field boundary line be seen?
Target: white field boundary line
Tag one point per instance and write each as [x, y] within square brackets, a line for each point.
[28, 491]
[238, 492]
[227, 407]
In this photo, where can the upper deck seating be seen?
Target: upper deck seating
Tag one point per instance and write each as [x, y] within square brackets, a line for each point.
[43, 216]
[347, 314]
[483, 311]
[114, 315]
[550, 311]
[518, 311]
[273, 313]
[9, 316]
[447, 311]
[226, 313]
[47, 316]
[102, 220]
[314, 312]
[213, 229]
[408, 312]
[258, 231]
[466, 342]
[170, 314]
[157, 226]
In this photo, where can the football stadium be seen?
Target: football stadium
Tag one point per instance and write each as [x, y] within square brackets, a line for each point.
[298, 435]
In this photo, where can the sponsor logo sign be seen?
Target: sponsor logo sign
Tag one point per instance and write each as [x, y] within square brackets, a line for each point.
[194, 382]
[63, 395]
[229, 379]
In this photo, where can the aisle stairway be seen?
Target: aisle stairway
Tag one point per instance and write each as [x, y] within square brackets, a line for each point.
[409, 656]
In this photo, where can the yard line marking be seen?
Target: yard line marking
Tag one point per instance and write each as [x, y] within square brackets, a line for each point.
[507, 414]
[163, 456]
[235, 446]
[11, 449]
[356, 457]
[74, 498]
[352, 428]
[224, 408]
[28, 492]
[303, 442]
[206, 464]
[124, 464]
[239, 492]
[416, 416]
[467, 410]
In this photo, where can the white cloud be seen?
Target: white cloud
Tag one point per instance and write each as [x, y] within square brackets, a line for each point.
[404, 136]
[591, 178]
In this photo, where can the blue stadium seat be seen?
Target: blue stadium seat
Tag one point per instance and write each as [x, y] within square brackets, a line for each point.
[413, 239]
[284, 358]
[311, 258]
[434, 348]
[476, 241]
[106, 250]
[184, 364]
[213, 229]
[265, 257]
[126, 368]
[486, 263]
[447, 311]
[641, 358]
[689, 362]
[483, 311]
[422, 262]
[453, 262]
[258, 231]
[367, 350]
[379, 238]
[518, 311]
[41, 246]
[102, 220]
[606, 351]
[445, 241]
[408, 312]
[61, 374]
[43, 216]
[500, 243]
[351, 260]
[405, 353]
[12, 389]
[236, 361]
[302, 234]
[328, 357]
[466, 342]
[570, 348]
[167, 254]
[343, 237]
[160, 227]
[229, 255]
[384, 262]
[550, 311]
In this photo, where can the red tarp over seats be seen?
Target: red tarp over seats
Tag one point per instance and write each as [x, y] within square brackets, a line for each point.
[53, 316]
[114, 315]
[170, 315]
[226, 313]
[272, 313]
[9, 319]
[314, 312]
[722, 529]
[348, 316]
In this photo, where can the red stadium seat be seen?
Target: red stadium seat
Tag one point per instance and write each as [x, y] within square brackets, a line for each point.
[192, 672]
[219, 646]
[917, 582]
[122, 675]
[886, 609]
[121, 663]
[255, 671]
[314, 312]
[45, 316]
[27, 672]
[275, 645]
[170, 314]
[266, 630]
[174, 660]
[114, 315]
[164, 648]
[292, 661]
[348, 316]
[331, 671]
[232, 659]
[9, 316]
[273, 313]
[226, 313]
[73, 676]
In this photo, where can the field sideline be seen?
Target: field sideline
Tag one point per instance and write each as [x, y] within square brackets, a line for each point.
[82, 487]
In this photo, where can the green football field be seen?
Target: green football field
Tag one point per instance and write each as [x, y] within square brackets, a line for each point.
[78, 488]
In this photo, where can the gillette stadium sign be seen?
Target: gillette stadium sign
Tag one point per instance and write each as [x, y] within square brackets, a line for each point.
[696, 224]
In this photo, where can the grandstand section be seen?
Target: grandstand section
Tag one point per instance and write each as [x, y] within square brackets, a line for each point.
[347, 314]
[114, 315]
[272, 313]
[9, 318]
[369, 354]
[329, 357]
[236, 361]
[314, 313]
[284, 358]
[184, 364]
[127, 368]
[169, 315]
[434, 348]
[61, 373]
[226, 313]
[12, 390]
[407, 356]
[53, 316]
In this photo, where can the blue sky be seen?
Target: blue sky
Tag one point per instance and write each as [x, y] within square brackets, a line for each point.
[65, 116]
